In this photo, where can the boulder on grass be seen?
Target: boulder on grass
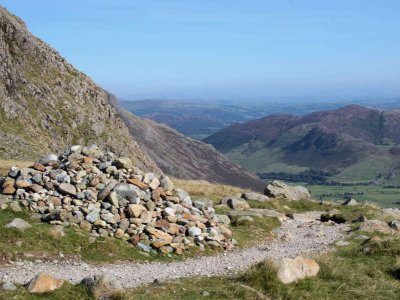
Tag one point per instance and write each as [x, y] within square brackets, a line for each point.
[292, 270]
[254, 196]
[102, 286]
[44, 283]
[279, 189]
[375, 226]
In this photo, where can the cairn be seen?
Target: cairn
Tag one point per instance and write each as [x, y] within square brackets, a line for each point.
[107, 195]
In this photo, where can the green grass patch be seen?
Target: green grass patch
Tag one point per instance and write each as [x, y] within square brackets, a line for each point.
[36, 242]
[66, 292]
[346, 274]
[251, 234]
[193, 288]
[379, 194]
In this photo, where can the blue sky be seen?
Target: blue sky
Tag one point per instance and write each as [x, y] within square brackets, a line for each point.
[226, 49]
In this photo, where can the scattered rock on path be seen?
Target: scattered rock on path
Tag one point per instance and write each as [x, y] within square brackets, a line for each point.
[19, 224]
[301, 218]
[292, 270]
[342, 243]
[279, 189]
[44, 283]
[350, 202]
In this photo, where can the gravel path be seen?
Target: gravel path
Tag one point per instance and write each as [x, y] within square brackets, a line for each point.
[294, 238]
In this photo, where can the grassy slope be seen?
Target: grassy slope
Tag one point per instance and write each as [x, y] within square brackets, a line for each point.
[345, 274]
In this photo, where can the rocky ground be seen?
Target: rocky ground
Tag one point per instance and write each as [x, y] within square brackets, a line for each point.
[301, 235]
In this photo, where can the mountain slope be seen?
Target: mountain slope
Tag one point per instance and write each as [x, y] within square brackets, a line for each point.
[46, 104]
[184, 157]
[332, 140]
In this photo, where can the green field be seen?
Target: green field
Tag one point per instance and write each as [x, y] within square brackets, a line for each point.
[384, 197]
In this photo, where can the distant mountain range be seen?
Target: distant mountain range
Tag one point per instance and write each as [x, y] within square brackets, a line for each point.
[200, 119]
[348, 144]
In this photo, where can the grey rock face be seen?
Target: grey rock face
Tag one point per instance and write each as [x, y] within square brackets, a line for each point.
[53, 103]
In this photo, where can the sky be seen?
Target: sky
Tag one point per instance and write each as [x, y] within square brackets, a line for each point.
[262, 50]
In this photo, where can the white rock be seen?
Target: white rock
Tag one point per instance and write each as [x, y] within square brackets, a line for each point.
[292, 270]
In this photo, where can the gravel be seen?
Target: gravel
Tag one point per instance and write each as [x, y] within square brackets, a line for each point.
[293, 238]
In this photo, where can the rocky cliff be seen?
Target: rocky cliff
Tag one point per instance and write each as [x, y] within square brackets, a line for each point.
[46, 104]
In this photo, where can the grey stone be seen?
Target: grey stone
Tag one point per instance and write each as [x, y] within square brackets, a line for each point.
[93, 216]
[194, 231]
[143, 247]
[395, 225]
[102, 286]
[67, 188]
[350, 202]
[8, 286]
[19, 224]
[166, 183]
[15, 207]
[238, 204]
[123, 163]
[254, 196]
[279, 189]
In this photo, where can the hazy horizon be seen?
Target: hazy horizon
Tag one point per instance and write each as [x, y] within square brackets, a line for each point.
[252, 51]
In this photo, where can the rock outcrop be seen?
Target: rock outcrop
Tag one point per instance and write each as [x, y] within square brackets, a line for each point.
[107, 196]
[279, 189]
[45, 103]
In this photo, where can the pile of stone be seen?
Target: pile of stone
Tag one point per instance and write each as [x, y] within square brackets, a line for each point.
[108, 196]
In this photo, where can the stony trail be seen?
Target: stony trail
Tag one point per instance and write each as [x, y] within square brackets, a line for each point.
[294, 237]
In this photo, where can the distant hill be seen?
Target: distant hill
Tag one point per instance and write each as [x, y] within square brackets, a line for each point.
[201, 118]
[350, 143]
[184, 157]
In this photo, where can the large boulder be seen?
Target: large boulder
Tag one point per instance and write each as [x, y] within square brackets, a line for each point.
[375, 226]
[279, 189]
[102, 286]
[292, 270]
[44, 283]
